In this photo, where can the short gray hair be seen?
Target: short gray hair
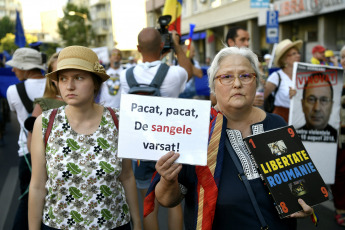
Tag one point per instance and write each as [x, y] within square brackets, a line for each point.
[227, 51]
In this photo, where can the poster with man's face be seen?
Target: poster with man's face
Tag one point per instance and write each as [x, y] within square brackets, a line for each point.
[315, 113]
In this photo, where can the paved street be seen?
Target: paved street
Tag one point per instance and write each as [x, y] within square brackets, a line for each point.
[9, 189]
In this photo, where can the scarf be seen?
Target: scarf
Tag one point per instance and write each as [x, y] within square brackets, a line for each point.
[208, 177]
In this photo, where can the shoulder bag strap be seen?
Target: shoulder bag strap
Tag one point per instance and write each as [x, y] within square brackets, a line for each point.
[50, 125]
[130, 78]
[116, 121]
[28, 104]
[160, 76]
[276, 90]
[243, 178]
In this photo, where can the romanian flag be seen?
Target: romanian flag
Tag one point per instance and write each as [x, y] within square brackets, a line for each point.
[209, 36]
[174, 8]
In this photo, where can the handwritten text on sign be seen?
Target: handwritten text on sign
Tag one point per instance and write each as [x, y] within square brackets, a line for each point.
[152, 126]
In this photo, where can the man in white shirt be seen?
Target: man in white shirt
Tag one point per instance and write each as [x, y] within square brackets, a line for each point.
[110, 94]
[150, 46]
[27, 64]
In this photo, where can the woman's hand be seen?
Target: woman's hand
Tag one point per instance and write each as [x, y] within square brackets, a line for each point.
[167, 190]
[307, 210]
[292, 92]
[166, 167]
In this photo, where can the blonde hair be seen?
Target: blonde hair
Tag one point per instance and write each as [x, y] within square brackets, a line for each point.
[51, 90]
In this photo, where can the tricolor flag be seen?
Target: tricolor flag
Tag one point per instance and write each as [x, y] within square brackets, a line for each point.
[174, 8]
[209, 36]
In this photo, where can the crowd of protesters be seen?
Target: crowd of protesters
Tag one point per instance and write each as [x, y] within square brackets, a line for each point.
[78, 181]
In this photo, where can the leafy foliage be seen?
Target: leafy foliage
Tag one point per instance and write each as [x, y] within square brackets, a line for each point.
[6, 26]
[74, 29]
[7, 42]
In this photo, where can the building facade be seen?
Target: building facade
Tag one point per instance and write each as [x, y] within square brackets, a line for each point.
[101, 18]
[315, 22]
[9, 7]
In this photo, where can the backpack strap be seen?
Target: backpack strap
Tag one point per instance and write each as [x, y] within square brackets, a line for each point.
[28, 104]
[249, 189]
[160, 76]
[130, 78]
[116, 121]
[52, 117]
[50, 125]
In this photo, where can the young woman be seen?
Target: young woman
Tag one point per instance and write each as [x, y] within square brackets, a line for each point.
[77, 179]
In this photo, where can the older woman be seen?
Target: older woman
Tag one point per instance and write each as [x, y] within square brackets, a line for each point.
[215, 197]
[77, 179]
[287, 52]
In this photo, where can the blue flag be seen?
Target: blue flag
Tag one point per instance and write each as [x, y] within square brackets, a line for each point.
[20, 37]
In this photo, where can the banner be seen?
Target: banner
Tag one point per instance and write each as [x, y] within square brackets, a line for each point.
[173, 8]
[152, 126]
[315, 113]
[19, 40]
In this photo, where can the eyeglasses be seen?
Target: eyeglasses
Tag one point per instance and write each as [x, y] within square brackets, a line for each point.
[229, 79]
[322, 100]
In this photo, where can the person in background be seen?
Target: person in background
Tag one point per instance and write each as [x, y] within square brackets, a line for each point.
[27, 65]
[51, 99]
[237, 36]
[318, 53]
[131, 62]
[267, 58]
[233, 77]
[331, 59]
[77, 179]
[338, 187]
[150, 46]
[287, 52]
[110, 95]
[190, 91]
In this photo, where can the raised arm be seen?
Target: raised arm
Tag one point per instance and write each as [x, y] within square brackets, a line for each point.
[168, 191]
[37, 191]
[182, 59]
[128, 182]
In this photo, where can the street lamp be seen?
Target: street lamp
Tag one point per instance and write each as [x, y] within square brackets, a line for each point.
[78, 14]
[84, 16]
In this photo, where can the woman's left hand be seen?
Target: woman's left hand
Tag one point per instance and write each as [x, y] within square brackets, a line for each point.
[307, 210]
[292, 92]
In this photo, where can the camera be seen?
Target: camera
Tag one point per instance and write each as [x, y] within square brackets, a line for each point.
[163, 22]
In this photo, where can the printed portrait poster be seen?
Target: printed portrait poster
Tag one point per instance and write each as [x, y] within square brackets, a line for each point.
[149, 127]
[315, 113]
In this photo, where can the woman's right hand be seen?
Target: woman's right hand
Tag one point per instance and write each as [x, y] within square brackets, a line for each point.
[166, 167]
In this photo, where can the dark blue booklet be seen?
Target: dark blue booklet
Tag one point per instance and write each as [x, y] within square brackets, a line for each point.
[287, 169]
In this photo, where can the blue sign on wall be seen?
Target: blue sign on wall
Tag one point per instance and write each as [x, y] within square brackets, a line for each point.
[259, 3]
[272, 27]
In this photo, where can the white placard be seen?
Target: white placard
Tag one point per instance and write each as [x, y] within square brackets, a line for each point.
[152, 126]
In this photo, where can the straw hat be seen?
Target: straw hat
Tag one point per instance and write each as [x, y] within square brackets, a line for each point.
[79, 57]
[283, 47]
[27, 59]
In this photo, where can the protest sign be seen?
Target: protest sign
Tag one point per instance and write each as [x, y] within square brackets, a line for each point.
[152, 126]
[315, 113]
